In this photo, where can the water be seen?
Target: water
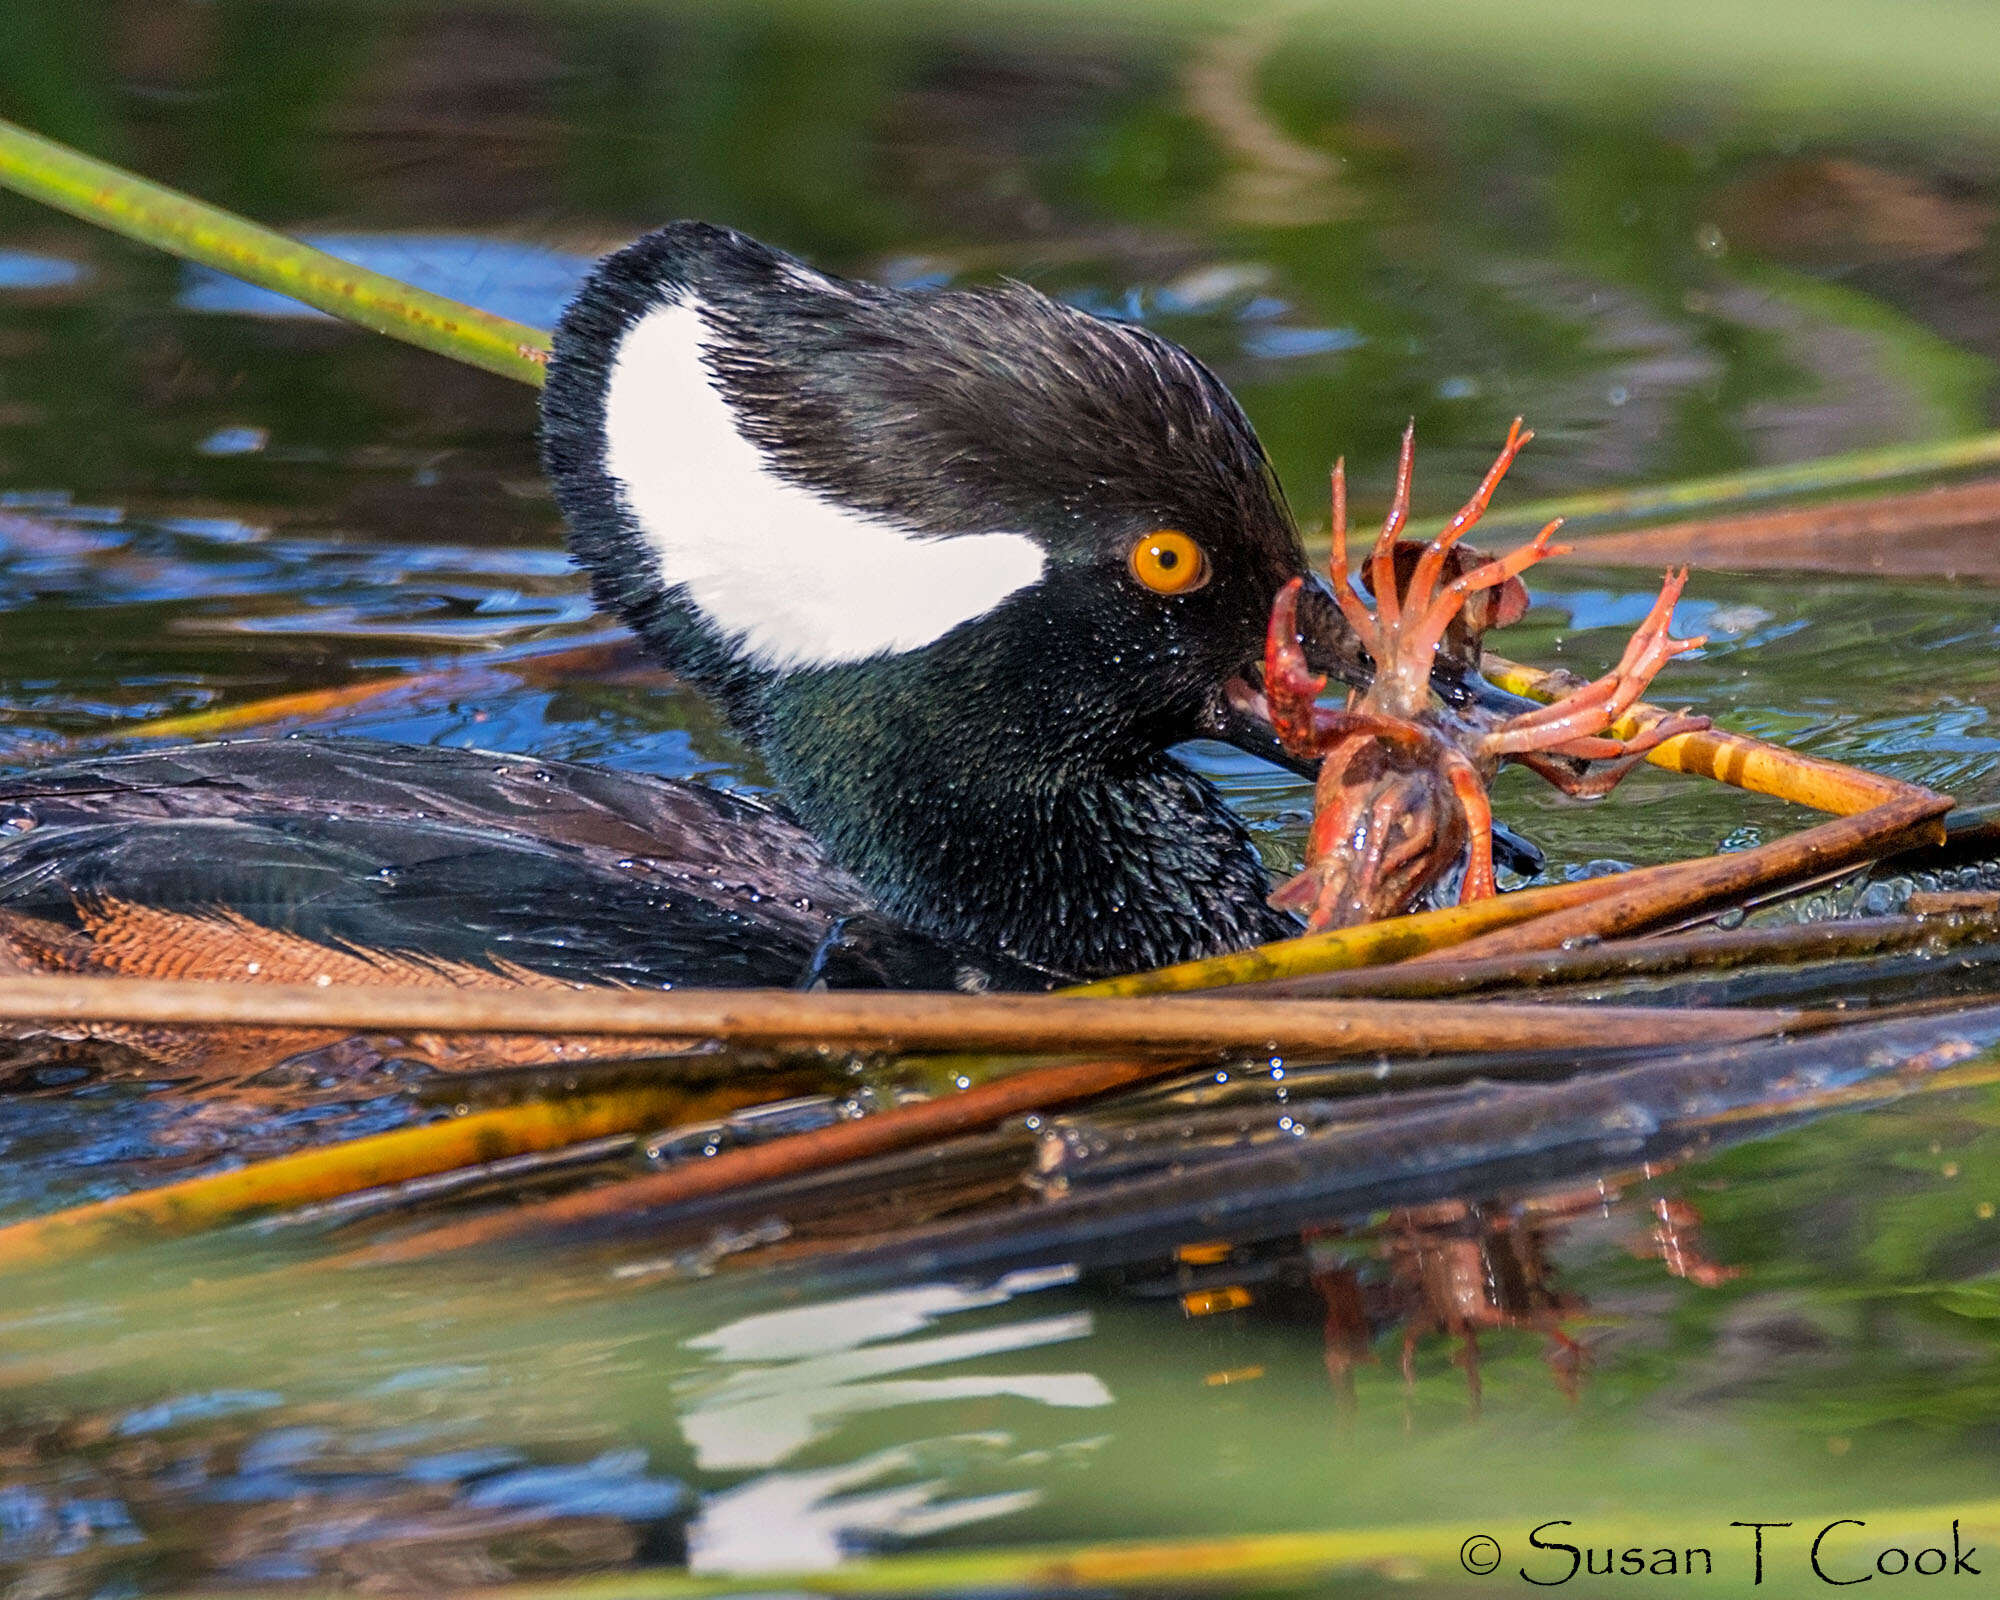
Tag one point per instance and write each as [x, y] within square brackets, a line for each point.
[1656, 255]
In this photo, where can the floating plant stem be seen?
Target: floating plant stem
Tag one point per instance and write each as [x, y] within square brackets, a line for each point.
[1621, 960]
[45, 170]
[1732, 758]
[925, 1122]
[1817, 476]
[312, 705]
[1652, 1108]
[1038, 1089]
[888, 1022]
[514, 1171]
[1367, 945]
[1021, 1022]
[1662, 895]
[1429, 935]
[263, 1187]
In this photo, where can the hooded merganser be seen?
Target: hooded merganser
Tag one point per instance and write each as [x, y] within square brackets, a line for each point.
[960, 565]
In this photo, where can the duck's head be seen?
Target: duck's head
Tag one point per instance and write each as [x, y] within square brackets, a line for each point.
[962, 565]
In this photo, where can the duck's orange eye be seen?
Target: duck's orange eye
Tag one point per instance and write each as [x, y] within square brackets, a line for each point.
[1169, 562]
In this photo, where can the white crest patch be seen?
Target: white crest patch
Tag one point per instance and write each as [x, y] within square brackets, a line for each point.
[799, 579]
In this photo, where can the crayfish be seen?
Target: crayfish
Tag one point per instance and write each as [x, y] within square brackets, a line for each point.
[1402, 793]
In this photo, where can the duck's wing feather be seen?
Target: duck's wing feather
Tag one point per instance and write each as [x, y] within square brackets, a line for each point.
[458, 856]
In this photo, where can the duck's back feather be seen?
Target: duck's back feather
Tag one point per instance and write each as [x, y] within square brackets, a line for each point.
[580, 873]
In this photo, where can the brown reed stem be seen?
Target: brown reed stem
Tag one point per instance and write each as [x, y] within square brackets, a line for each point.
[1668, 894]
[897, 1022]
[1662, 956]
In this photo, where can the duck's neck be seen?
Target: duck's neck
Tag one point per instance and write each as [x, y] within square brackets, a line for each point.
[1087, 858]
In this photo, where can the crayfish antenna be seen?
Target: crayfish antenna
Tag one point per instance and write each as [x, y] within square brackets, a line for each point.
[1423, 582]
[1383, 561]
[1352, 607]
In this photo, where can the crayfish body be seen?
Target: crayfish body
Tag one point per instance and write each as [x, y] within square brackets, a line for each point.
[1403, 784]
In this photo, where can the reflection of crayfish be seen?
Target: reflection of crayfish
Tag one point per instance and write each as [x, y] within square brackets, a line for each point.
[1462, 1268]
[1403, 780]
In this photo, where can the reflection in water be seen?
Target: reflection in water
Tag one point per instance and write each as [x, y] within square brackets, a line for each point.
[807, 1521]
[809, 1433]
[790, 1375]
[1457, 1268]
[1453, 1269]
[24, 270]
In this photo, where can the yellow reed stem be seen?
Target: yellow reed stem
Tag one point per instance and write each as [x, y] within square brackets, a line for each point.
[539, 667]
[1370, 945]
[339, 1169]
[1732, 758]
[1422, 1552]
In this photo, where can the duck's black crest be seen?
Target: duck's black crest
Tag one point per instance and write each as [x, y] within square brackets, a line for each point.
[943, 411]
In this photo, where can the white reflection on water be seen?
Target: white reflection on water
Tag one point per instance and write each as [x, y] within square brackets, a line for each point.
[801, 1521]
[788, 1378]
[800, 1371]
[864, 1318]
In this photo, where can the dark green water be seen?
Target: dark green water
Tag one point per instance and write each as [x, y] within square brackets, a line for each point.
[1668, 270]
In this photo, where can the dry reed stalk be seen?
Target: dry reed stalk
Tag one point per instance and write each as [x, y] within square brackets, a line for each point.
[1055, 1023]
[1666, 956]
[1038, 1089]
[1939, 532]
[338, 1169]
[886, 1022]
[1369, 945]
[1666, 894]
[1949, 1063]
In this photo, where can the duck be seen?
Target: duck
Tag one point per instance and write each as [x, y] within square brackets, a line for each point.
[963, 566]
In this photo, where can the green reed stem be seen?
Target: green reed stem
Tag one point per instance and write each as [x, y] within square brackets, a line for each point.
[1427, 1554]
[1668, 501]
[64, 178]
